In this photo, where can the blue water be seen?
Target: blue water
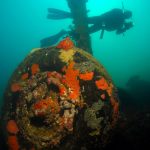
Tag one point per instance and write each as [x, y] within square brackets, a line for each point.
[23, 24]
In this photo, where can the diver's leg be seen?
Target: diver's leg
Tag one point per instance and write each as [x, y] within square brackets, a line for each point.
[94, 20]
[94, 28]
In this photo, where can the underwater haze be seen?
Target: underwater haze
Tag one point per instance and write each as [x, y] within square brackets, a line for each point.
[24, 23]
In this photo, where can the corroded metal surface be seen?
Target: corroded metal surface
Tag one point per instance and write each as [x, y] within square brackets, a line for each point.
[59, 99]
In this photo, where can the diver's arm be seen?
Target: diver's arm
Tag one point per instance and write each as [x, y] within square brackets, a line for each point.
[51, 40]
[102, 34]
[127, 26]
[94, 19]
[120, 31]
[94, 28]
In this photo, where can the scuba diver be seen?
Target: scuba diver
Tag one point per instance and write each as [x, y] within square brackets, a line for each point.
[113, 20]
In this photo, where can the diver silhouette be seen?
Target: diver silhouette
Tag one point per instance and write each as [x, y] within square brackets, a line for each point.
[113, 20]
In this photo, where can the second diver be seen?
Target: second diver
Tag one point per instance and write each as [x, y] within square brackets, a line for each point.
[113, 20]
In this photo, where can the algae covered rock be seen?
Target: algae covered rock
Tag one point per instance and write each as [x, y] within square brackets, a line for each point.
[59, 98]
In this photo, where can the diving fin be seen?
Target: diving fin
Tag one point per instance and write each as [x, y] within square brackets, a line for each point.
[49, 41]
[58, 14]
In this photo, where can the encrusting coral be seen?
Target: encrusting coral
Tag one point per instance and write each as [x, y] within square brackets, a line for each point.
[15, 87]
[25, 76]
[71, 80]
[103, 85]
[66, 56]
[34, 68]
[86, 76]
[12, 127]
[65, 44]
[13, 142]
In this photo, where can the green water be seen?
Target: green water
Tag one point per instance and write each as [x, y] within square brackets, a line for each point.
[23, 23]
